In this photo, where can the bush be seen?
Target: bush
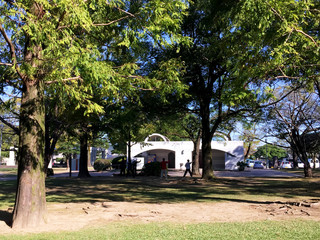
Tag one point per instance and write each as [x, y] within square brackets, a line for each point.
[101, 164]
[241, 165]
[151, 169]
[116, 161]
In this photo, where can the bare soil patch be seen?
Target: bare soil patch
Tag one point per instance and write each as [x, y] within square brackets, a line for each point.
[75, 216]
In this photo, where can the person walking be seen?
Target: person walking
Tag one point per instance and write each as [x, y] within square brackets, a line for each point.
[164, 168]
[188, 166]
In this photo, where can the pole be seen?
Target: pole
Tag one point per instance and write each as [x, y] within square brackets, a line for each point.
[1, 128]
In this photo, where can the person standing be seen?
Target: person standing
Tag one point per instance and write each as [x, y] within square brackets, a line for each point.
[134, 166]
[188, 166]
[164, 168]
[123, 167]
[129, 168]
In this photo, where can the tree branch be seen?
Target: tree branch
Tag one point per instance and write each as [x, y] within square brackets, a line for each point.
[65, 80]
[14, 128]
[6, 64]
[12, 50]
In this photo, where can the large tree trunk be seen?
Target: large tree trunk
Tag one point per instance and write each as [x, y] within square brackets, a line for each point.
[299, 146]
[83, 165]
[207, 171]
[30, 204]
[307, 170]
[196, 155]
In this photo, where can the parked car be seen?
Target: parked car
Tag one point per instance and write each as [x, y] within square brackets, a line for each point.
[311, 162]
[301, 164]
[250, 162]
[258, 165]
[285, 164]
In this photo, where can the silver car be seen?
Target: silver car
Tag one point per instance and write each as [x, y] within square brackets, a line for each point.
[258, 165]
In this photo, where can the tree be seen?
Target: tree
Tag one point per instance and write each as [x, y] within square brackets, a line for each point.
[214, 70]
[269, 151]
[293, 120]
[251, 139]
[51, 43]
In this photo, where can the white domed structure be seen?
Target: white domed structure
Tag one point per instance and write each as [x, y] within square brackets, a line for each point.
[155, 147]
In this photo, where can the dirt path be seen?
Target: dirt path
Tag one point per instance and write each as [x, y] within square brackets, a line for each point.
[75, 216]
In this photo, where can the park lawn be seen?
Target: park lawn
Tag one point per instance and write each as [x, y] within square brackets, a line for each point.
[176, 190]
[152, 190]
[8, 172]
[315, 172]
[271, 230]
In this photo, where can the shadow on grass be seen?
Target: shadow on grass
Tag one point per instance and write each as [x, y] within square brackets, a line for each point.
[6, 217]
[142, 189]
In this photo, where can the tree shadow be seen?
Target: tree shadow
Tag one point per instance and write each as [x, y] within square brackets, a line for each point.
[152, 190]
[6, 216]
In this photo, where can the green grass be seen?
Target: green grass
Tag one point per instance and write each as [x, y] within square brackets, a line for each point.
[7, 194]
[8, 171]
[271, 230]
[251, 190]
[140, 190]
[315, 172]
[152, 190]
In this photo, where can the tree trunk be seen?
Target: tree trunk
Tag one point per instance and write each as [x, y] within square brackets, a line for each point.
[129, 147]
[295, 159]
[196, 155]
[307, 170]
[83, 165]
[207, 171]
[248, 151]
[30, 204]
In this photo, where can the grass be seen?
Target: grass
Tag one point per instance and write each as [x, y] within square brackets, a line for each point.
[8, 171]
[152, 190]
[250, 230]
[315, 172]
[142, 189]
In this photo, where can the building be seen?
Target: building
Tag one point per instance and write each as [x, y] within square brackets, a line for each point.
[225, 154]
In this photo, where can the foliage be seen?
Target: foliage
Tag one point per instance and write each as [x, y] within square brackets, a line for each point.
[117, 160]
[241, 165]
[101, 164]
[151, 169]
[295, 119]
[214, 62]
[270, 151]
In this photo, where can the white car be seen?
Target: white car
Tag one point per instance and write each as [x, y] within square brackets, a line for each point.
[311, 162]
[285, 164]
[301, 164]
[250, 162]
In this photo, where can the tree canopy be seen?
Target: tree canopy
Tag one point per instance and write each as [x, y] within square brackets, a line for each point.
[69, 48]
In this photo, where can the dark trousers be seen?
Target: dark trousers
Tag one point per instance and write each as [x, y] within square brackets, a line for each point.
[187, 170]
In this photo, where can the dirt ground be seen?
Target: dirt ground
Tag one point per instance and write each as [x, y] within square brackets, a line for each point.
[75, 216]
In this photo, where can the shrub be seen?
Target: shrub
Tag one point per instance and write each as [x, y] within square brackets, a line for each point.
[241, 165]
[101, 164]
[151, 169]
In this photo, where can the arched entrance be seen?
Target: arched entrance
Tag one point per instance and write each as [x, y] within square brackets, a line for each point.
[172, 160]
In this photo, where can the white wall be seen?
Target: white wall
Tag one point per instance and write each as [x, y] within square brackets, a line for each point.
[183, 151]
